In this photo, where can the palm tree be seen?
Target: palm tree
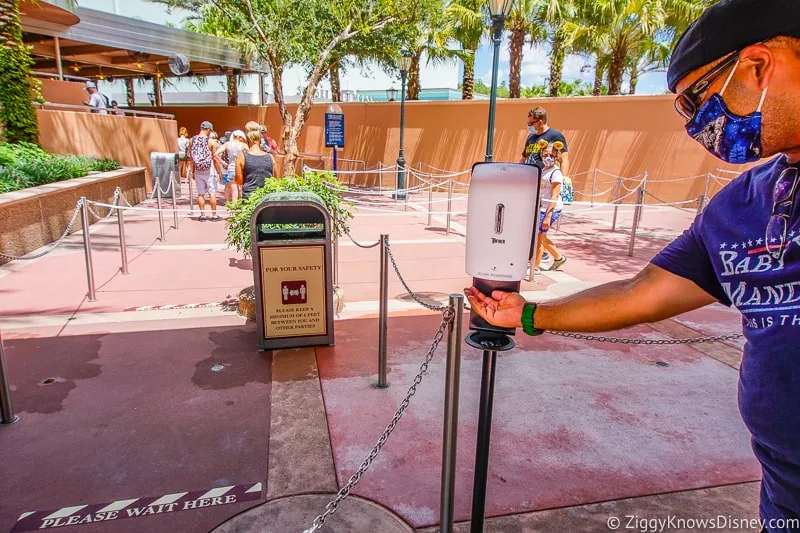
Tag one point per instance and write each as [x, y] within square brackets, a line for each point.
[653, 56]
[433, 42]
[466, 18]
[17, 114]
[521, 23]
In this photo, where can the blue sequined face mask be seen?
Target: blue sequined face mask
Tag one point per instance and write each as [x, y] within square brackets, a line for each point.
[730, 137]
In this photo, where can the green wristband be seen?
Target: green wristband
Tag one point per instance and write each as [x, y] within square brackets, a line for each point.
[527, 319]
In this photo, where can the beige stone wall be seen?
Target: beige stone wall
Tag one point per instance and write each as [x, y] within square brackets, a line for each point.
[624, 136]
[34, 217]
[128, 140]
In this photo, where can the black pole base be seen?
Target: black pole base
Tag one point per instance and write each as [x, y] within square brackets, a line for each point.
[490, 340]
[12, 421]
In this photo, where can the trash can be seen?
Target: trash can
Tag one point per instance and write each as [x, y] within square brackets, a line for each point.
[292, 269]
[162, 166]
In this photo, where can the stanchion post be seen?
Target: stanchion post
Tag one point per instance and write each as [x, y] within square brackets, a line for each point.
[6, 405]
[335, 260]
[430, 200]
[644, 190]
[87, 248]
[449, 203]
[701, 203]
[160, 212]
[190, 178]
[380, 177]
[450, 434]
[594, 186]
[123, 249]
[617, 196]
[636, 213]
[383, 313]
[708, 183]
[174, 200]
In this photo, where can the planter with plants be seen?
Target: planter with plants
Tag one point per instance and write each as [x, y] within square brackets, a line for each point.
[24, 165]
[323, 185]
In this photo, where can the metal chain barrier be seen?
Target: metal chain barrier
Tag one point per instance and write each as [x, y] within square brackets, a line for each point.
[344, 492]
[365, 246]
[623, 340]
[111, 210]
[411, 293]
[53, 246]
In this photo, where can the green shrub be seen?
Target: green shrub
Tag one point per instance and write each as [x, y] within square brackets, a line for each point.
[26, 165]
[323, 184]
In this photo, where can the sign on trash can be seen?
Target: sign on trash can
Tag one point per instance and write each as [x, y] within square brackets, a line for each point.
[291, 249]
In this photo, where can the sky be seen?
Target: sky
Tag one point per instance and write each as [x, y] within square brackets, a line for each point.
[535, 67]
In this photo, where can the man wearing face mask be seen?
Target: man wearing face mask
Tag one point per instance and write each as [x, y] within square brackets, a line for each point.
[736, 73]
[538, 130]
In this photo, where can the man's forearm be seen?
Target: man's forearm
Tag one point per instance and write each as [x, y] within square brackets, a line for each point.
[619, 304]
[565, 164]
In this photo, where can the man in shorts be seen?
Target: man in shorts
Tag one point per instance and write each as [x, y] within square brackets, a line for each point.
[202, 158]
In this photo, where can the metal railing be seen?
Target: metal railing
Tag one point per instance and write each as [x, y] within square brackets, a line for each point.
[109, 111]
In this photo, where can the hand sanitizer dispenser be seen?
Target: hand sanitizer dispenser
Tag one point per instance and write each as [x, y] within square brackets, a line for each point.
[501, 212]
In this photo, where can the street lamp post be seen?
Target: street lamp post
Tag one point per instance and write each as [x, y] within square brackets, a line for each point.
[405, 64]
[499, 10]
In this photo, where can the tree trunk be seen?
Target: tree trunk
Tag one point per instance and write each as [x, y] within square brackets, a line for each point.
[413, 77]
[468, 81]
[616, 69]
[277, 93]
[336, 84]
[515, 42]
[557, 54]
[598, 81]
[18, 117]
[157, 91]
[233, 89]
[634, 81]
[129, 94]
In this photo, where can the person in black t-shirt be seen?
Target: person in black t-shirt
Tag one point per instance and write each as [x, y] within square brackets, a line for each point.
[538, 130]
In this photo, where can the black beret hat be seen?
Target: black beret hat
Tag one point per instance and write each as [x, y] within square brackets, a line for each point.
[729, 26]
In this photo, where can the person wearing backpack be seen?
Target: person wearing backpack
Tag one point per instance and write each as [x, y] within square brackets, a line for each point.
[202, 158]
[552, 203]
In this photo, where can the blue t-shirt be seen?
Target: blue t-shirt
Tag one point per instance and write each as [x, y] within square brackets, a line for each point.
[724, 253]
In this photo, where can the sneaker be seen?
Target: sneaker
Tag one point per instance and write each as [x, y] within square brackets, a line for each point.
[216, 217]
[202, 218]
[545, 256]
[558, 262]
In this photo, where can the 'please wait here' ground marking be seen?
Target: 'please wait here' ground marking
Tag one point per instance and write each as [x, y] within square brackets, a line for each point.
[138, 507]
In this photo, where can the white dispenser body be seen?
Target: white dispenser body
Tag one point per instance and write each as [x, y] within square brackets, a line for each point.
[502, 206]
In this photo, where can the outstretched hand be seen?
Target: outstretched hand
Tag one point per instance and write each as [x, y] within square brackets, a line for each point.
[502, 309]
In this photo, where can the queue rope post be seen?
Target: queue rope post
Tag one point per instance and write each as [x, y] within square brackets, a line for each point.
[636, 214]
[708, 183]
[174, 200]
[380, 177]
[383, 313]
[641, 209]
[701, 203]
[450, 432]
[430, 199]
[449, 203]
[6, 405]
[189, 179]
[123, 249]
[157, 185]
[335, 260]
[87, 248]
[617, 196]
[594, 186]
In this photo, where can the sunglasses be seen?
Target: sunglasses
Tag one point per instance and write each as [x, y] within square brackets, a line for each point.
[687, 103]
[782, 205]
